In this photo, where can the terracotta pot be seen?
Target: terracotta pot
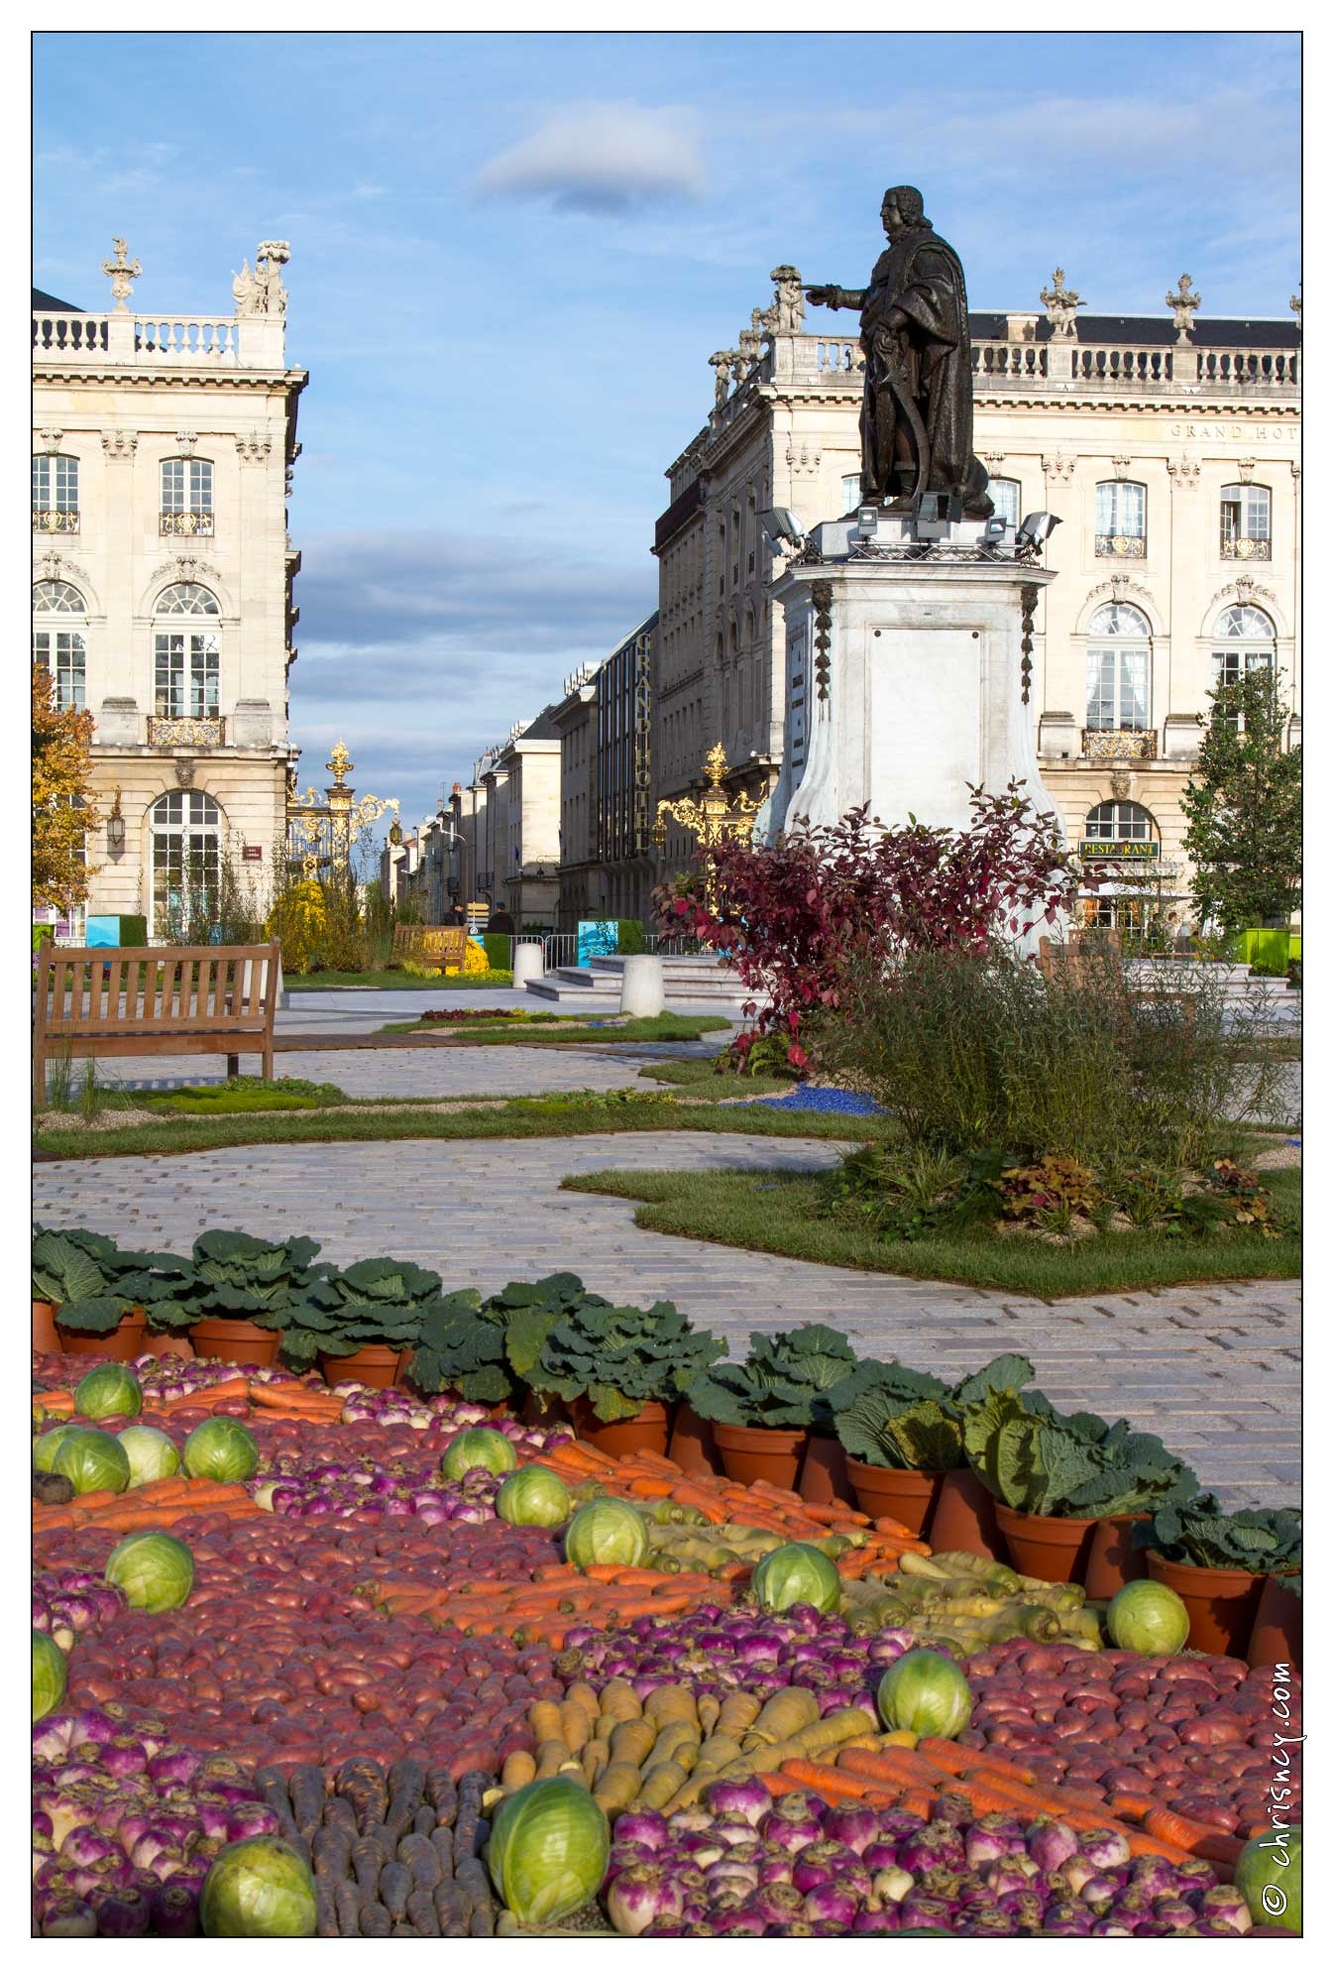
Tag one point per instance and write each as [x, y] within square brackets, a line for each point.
[179, 1345]
[1277, 1633]
[1055, 1549]
[1222, 1602]
[692, 1444]
[964, 1519]
[772, 1456]
[1113, 1560]
[45, 1333]
[650, 1429]
[906, 1495]
[377, 1367]
[122, 1345]
[239, 1341]
[824, 1474]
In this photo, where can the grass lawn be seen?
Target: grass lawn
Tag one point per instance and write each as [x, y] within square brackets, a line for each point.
[700, 1080]
[396, 981]
[536, 1031]
[521, 1119]
[779, 1212]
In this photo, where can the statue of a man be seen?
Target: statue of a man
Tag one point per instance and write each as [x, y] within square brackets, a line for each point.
[917, 411]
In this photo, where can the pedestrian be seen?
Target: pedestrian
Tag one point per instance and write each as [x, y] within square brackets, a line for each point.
[501, 923]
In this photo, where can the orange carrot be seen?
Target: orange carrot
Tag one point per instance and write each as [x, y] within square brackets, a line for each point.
[1206, 1842]
[833, 1784]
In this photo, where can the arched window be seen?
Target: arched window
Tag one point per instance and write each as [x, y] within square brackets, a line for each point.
[1120, 820]
[186, 661]
[187, 496]
[1243, 523]
[1006, 495]
[1120, 525]
[58, 622]
[1119, 670]
[55, 493]
[187, 855]
[1243, 640]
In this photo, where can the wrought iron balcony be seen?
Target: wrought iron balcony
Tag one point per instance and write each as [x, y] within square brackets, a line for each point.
[187, 731]
[55, 519]
[1244, 549]
[1119, 546]
[1120, 745]
[189, 524]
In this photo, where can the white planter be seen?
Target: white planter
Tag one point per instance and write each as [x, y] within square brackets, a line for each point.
[528, 963]
[642, 994]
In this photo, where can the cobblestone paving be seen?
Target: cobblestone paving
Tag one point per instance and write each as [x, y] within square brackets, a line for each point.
[1214, 1369]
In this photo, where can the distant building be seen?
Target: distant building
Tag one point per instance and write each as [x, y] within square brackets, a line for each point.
[162, 586]
[1169, 447]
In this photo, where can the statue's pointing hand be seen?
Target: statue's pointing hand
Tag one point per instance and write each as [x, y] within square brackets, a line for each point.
[823, 297]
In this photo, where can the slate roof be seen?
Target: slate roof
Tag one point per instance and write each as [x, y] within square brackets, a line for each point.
[48, 304]
[1147, 331]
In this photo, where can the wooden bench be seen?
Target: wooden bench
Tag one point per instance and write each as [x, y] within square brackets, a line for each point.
[440, 944]
[213, 998]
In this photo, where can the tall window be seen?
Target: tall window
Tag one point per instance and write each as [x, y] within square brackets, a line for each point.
[187, 496]
[1119, 670]
[1120, 820]
[852, 491]
[1243, 642]
[186, 831]
[1120, 524]
[1005, 497]
[1243, 523]
[55, 494]
[58, 622]
[186, 660]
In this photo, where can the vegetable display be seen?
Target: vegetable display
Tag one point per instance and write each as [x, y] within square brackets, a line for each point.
[385, 1663]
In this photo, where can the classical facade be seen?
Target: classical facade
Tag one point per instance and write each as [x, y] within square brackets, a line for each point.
[1169, 448]
[605, 721]
[576, 719]
[162, 584]
[507, 823]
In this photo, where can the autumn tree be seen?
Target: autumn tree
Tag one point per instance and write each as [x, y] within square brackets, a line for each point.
[1243, 808]
[63, 814]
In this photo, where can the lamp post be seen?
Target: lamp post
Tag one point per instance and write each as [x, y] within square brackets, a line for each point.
[712, 818]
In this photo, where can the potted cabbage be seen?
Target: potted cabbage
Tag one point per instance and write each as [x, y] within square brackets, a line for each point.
[361, 1323]
[764, 1409]
[249, 1291]
[621, 1370]
[1221, 1564]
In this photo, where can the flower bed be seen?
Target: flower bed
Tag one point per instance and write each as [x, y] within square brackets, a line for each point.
[379, 1669]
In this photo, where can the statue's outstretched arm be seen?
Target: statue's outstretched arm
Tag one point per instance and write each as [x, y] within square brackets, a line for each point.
[836, 297]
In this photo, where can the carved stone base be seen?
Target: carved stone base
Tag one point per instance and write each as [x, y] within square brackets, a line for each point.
[905, 685]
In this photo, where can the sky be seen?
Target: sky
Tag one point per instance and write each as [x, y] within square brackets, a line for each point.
[512, 255]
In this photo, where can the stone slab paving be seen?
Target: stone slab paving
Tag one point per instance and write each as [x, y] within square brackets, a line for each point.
[1214, 1369]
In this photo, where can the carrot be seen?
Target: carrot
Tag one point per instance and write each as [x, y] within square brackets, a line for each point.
[53, 1517]
[93, 1500]
[835, 1514]
[1206, 1842]
[625, 1575]
[898, 1766]
[650, 1460]
[650, 1486]
[819, 1778]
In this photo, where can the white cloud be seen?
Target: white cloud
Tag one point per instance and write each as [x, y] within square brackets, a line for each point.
[602, 157]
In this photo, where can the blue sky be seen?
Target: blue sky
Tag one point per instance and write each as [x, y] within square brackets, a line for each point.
[513, 254]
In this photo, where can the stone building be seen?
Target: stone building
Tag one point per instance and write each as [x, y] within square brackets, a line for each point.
[576, 719]
[605, 722]
[1169, 448]
[162, 584]
[508, 822]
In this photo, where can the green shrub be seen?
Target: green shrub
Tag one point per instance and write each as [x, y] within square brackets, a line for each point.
[629, 938]
[983, 1053]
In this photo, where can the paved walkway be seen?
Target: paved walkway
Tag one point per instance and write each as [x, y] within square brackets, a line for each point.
[1214, 1370]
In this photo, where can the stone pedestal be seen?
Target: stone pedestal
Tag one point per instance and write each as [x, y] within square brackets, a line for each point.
[907, 683]
[528, 962]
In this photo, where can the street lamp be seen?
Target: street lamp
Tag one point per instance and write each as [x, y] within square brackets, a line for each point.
[116, 828]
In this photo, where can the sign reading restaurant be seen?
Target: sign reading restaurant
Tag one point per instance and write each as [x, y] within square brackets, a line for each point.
[1119, 850]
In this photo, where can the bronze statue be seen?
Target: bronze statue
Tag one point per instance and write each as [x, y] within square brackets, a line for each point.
[917, 410]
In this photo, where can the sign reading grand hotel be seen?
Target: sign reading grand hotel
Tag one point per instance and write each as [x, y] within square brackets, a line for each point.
[1119, 850]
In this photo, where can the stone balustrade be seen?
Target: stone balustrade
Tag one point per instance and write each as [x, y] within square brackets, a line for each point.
[1042, 365]
[154, 340]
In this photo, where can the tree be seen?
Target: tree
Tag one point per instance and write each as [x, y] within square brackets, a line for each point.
[63, 814]
[796, 917]
[1243, 807]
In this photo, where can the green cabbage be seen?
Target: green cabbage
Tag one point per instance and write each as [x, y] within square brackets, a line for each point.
[1269, 1874]
[259, 1886]
[606, 1533]
[92, 1460]
[478, 1449]
[796, 1573]
[221, 1449]
[152, 1454]
[106, 1391]
[533, 1496]
[153, 1570]
[1148, 1618]
[45, 1447]
[927, 1693]
[48, 1675]
[548, 1851]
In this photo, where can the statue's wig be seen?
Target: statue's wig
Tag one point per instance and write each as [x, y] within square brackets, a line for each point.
[910, 203]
